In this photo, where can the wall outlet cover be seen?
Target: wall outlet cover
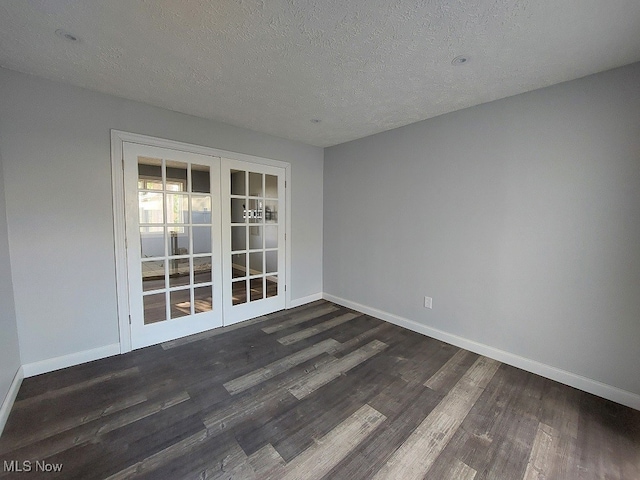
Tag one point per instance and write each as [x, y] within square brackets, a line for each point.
[428, 302]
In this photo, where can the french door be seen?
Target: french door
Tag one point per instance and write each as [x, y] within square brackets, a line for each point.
[205, 241]
[253, 239]
[173, 243]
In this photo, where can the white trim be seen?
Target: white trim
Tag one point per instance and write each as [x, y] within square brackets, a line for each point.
[296, 302]
[64, 361]
[600, 389]
[191, 148]
[10, 398]
[119, 235]
[287, 236]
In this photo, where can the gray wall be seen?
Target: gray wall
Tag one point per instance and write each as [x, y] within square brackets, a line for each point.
[9, 351]
[56, 147]
[521, 218]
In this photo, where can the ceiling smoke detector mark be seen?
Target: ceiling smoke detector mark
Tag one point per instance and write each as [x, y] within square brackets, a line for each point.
[69, 37]
[460, 60]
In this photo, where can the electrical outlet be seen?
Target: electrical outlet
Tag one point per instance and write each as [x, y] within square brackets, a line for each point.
[428, 302]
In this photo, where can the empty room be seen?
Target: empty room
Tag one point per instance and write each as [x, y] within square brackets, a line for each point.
[247, 239]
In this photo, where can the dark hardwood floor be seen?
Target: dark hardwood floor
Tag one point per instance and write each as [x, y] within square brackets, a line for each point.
[315, 392]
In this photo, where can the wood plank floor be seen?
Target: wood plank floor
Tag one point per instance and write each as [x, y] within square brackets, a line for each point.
[316, 392]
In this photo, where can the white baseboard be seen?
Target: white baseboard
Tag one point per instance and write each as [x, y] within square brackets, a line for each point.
[64, 361]
[304, 300]
[577, 381]
[7, 403]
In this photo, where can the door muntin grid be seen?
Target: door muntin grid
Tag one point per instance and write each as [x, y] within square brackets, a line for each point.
[176, 238]
[254, 203]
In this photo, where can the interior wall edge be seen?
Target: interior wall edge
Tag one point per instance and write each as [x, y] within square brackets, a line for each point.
[565, 377]
[10, 398]
[64, 361]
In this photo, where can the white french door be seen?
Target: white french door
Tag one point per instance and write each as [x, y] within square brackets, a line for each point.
[172, 208]
[253, 239]
[205, 241]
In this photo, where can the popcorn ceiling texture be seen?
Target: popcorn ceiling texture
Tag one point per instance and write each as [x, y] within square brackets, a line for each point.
[361, 66]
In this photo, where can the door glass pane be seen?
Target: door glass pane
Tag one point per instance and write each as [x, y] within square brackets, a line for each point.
[179, 272]
[154, 308]
[255, 211]
[257, 292]
[255, 237]
[271, 261]
[150, 207]
[238, 212]
[239, 292]
[176, 176]
[201, 239]
[201, 208]
[177, 208]
[255, 184]
[255, 263]
[178, 241]
[272, 286]
[149, 173]
[202, 301]
[202, 269]
[238, 265]
[152, 275]
[271, 211]
[180, 303]
[271, 236]
[238, 238]
[271, 186]
[152, 242]
[200, 179]
[238, 183]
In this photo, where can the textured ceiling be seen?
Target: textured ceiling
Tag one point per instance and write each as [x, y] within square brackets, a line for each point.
[360, 66]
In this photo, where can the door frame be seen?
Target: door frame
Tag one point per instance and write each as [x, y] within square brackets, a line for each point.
[118, 137]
